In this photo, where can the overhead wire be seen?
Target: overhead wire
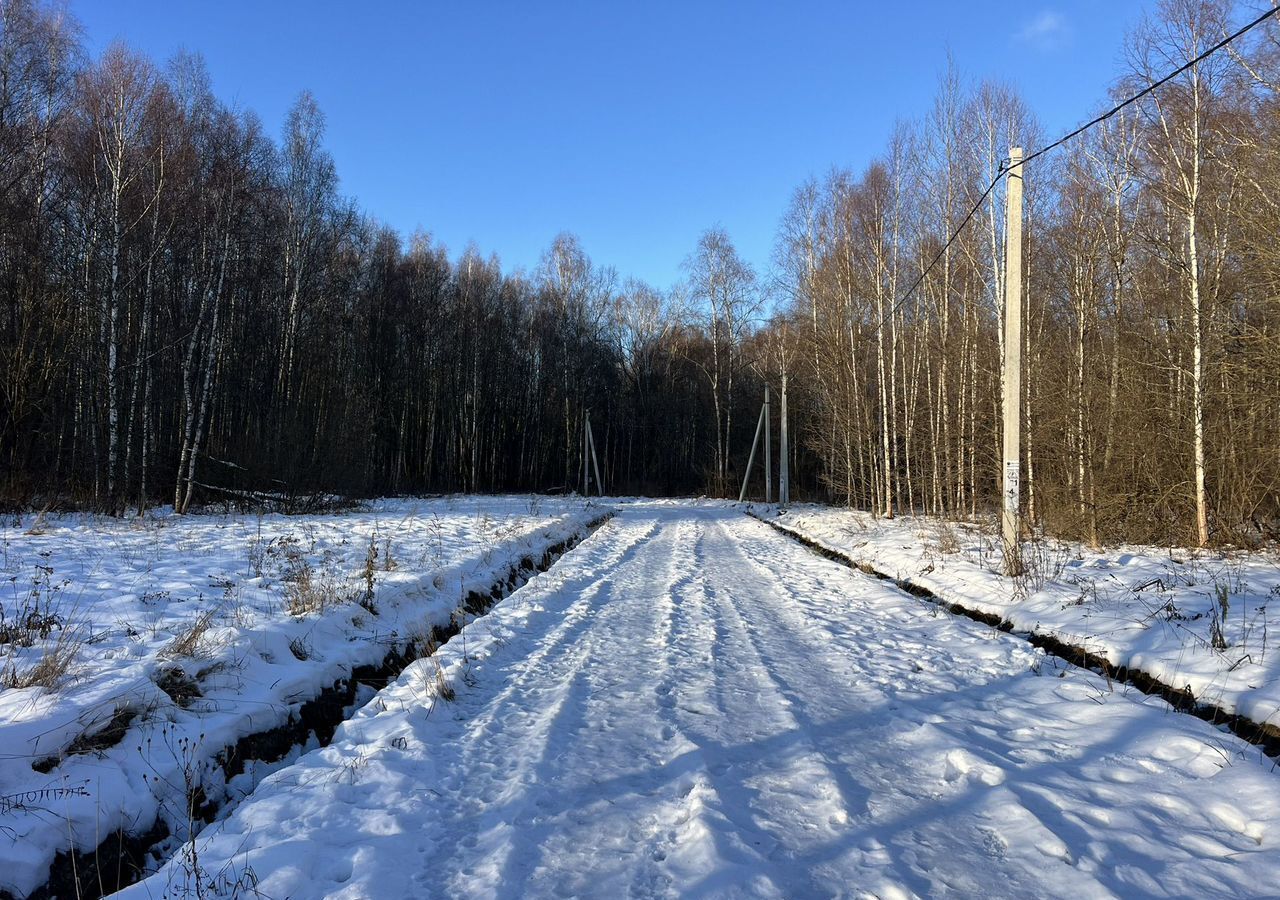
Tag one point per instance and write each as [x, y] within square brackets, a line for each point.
[1155, 84]
[1004, 166]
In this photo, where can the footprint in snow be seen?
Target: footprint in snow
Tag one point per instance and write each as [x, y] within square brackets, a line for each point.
[993, 844]
[960, 764]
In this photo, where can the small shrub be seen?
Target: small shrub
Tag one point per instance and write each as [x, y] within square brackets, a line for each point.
[35, 610]
[1218, 616]
[433, 555]
[309, 591]
[947, 539]
[1043, 560]
[28, 627]
[1224, 599]
[370, 567]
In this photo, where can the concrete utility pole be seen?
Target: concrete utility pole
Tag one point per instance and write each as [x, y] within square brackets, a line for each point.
[584, 454]
[1010, 513]
[784, 472]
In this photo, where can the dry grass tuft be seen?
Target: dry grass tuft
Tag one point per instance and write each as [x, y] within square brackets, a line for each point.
[947, 539]
[191, 643]
[32, 656]
[308, 591]
[52, 667]
[444, 690]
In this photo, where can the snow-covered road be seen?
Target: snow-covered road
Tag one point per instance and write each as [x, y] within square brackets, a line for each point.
[690, 704]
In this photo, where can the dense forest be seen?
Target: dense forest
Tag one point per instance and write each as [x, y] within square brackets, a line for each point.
[193, 312]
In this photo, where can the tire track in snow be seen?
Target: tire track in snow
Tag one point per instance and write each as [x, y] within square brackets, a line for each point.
[689, 696]
[572, 686]
[784, 632]
[510, 733]
[1036, 804]
[692, 706]
[576, 597]
[799, 797]
[590, 731]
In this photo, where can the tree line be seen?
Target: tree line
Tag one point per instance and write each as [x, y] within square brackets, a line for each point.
[1151, 407]
[194, 312]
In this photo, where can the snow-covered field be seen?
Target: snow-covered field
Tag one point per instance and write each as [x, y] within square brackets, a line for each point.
[690, 704]
[1192, 619]
[133, 652]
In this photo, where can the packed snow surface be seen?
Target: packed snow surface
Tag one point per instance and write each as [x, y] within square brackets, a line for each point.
[1199, 620]
[186, 633]
[690, 704]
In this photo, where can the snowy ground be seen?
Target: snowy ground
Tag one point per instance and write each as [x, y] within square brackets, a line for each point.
[1192, 619]
[183, 634]
[690, 704]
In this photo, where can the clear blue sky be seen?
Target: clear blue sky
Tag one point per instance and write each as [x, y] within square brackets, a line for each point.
[635, 125]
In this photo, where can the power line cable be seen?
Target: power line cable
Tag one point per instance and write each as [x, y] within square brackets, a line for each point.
[1155, 84]
[951, 240]
[1004, 164]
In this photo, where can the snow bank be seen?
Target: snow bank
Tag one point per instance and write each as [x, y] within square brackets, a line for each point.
[1193, 620]
[181, 635]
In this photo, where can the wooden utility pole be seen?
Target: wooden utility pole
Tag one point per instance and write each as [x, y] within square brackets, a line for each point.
[784, 472]
[1010, 513]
